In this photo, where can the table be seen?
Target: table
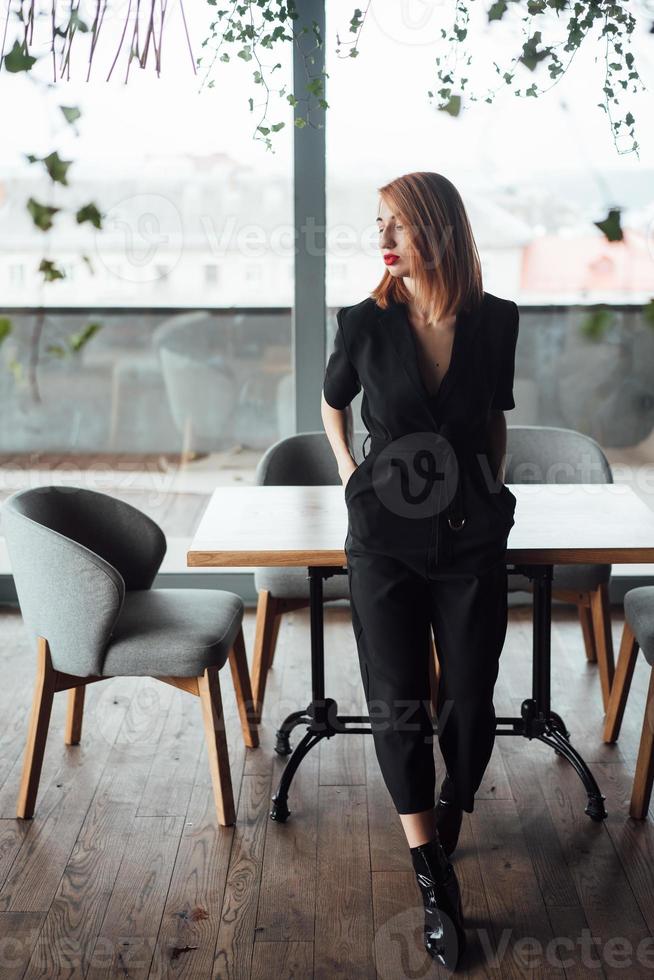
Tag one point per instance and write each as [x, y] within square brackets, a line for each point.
[306, 526]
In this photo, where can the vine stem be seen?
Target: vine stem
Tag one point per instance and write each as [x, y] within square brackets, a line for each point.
[4, 34]
[35, 346]
[95, 32]
[122, 38]
[188, 39]
[53, 24]
[151, 34]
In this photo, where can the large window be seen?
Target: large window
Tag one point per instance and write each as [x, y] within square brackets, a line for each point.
[185, 289]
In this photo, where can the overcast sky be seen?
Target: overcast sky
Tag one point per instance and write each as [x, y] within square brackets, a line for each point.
[380, 122]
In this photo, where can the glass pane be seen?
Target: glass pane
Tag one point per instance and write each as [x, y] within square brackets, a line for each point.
[188, 287]
[535, 176]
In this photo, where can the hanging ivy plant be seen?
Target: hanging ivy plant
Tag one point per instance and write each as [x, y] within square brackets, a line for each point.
[144, 26]
[549, 45]
[553, 32]
[43, 216]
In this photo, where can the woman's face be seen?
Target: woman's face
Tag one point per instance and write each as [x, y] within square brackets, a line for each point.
[393, 241]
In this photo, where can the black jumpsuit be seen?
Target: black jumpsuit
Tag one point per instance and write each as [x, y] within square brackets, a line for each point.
[426, 539]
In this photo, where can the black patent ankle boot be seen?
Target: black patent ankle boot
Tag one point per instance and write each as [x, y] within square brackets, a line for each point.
[444, 933]
[449, 817]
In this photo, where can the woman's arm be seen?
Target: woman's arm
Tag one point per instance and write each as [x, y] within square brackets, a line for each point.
[496, 442]
[339, 425]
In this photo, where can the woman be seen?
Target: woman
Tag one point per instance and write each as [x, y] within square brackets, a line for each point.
[428, 516]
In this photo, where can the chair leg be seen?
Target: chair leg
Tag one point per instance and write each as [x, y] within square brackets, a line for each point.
[44, 691]
[274, 633]
[642, 788]
[586, 621]
[267, 627]
[601, 613]
[74, 715]
[241, 678]
[216, 739]
[113, 412]
[282, 606]
[621, 684]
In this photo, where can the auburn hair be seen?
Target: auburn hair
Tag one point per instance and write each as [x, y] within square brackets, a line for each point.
[443, 258]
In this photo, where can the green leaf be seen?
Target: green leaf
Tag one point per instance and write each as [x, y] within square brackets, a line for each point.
[71, 113]
[50, 270]
[315, 86]
[452, 106]
[531, 56]
[89, 213]
[56, 350]
[5, 328]
[596, 323]
[497, 10]
[78, 340]
[57, 168]
[611, 225]
[18, 60]
[648, 313]
[77, 22]
[16, 369]
[42, 214]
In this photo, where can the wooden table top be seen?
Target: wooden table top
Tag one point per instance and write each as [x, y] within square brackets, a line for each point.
[301, 526]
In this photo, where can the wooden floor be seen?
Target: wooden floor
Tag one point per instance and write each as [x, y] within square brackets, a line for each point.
[124, 871]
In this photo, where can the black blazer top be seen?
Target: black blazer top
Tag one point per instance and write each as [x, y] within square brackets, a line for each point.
[414, 433]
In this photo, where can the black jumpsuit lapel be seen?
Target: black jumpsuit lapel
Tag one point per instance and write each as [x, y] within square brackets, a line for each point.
[395, 321]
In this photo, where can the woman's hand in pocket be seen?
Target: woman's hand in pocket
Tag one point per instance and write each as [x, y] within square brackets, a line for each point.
[345, 472]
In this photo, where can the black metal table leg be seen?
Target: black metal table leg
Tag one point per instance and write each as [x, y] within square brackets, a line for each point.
[537, 719]
[321, 715]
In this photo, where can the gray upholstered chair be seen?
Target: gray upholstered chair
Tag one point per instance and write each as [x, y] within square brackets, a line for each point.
[298, 460]
[201, 383]
[637, 633]
[548, 454]
[137, 383]
[83, 565]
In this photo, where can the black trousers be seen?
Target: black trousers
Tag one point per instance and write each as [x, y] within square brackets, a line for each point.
[393, 608]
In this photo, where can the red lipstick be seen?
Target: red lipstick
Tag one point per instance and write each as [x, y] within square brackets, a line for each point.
[391, 258]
